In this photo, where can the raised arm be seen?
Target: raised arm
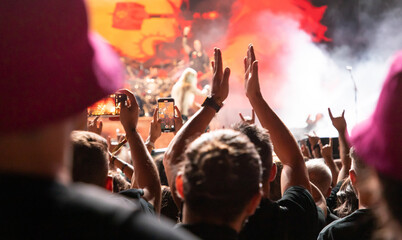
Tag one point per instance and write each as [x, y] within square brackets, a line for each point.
[340, 125]
[294, 171]
[186, 47]
[197, 124]
[326, 152]
[145, 175]
[154, 132]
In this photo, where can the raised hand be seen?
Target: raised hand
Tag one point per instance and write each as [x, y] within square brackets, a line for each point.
[186, 31]
[251, 81]
[178, 120]
[155, 128]
[338, 122]
[326, 151]
[247, 119]
[129, 113]
[313, 139]
[220, 80]
[95, 126]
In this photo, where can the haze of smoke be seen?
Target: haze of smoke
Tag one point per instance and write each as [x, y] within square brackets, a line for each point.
[311, 79]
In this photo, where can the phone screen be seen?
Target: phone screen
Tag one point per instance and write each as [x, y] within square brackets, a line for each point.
[109, 106]
[166, 114]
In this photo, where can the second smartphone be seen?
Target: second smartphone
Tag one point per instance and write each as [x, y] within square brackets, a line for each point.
[166, 114]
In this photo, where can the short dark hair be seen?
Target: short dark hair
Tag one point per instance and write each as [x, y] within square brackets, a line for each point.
[260, 138]
[90, 162]
[222, 173]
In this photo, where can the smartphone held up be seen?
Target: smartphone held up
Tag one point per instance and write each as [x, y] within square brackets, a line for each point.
[109, 106]
[166, 114]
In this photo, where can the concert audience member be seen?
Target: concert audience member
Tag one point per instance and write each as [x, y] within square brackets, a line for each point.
[198, 57]
[326, 153]
[347, 201]
[361, 223]
[184, 92]
[340, 125]
[168, 206]
[320, 175]
[377, 142]
[295, 215]
[90, 158]
[219, 177]
[66, 69]
[275, 188]
[90, 165]
[155, 130]
[119, 182]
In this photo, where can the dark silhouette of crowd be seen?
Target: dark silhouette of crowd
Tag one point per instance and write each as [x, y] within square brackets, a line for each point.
[61, 179]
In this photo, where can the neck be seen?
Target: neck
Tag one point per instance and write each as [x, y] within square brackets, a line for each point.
[192, 218]
[44, 152]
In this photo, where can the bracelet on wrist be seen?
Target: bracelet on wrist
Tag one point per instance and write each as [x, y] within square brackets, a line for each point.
[148, 142]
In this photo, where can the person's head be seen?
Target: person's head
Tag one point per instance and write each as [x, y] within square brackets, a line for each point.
[168, 206]
[65, 69]
[275, 192]
[377, 141]
[197, 45]
[346, 199]
[320, 175]
[361, 177]
[260, 138]
[90, 160]
[188, 78]
[221, 182]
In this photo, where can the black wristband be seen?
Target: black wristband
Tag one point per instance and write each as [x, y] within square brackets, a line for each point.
[210, 101]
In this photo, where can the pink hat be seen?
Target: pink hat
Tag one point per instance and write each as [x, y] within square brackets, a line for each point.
[378, 140]
[50, 67]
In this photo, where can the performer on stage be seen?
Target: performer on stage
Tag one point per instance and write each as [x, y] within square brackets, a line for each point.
[184, 91]
[198, 58]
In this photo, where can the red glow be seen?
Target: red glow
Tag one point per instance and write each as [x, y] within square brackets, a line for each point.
[272, 27]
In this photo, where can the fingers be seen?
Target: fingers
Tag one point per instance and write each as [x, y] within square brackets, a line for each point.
[330, 142]
[252, 53]
[241, 117]
[130, 96]
[100, 124]
[253, 115]
[320, 143]
[156, 115]
[330, 114]
[213, 65]
[245, 64]
[255, 69]
[343, 113]
[96, 119]
[226, 75]
[219, 67]
[177, 112]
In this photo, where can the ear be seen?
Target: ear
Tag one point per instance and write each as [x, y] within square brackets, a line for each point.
[254, 203]
[328, 192]
[352, 175]
[272, 173]
[179, 185]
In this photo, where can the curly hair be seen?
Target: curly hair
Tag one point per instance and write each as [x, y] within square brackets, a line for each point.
[222, 173]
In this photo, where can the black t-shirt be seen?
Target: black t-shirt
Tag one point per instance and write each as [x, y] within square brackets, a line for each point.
[294, 216]
[136, 194]
[35, 208]
[324, 221]
[332, 199]
[210, 232]
[199, 61]
[358, 225]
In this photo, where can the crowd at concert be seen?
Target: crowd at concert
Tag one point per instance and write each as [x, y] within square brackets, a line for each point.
[61, 179]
